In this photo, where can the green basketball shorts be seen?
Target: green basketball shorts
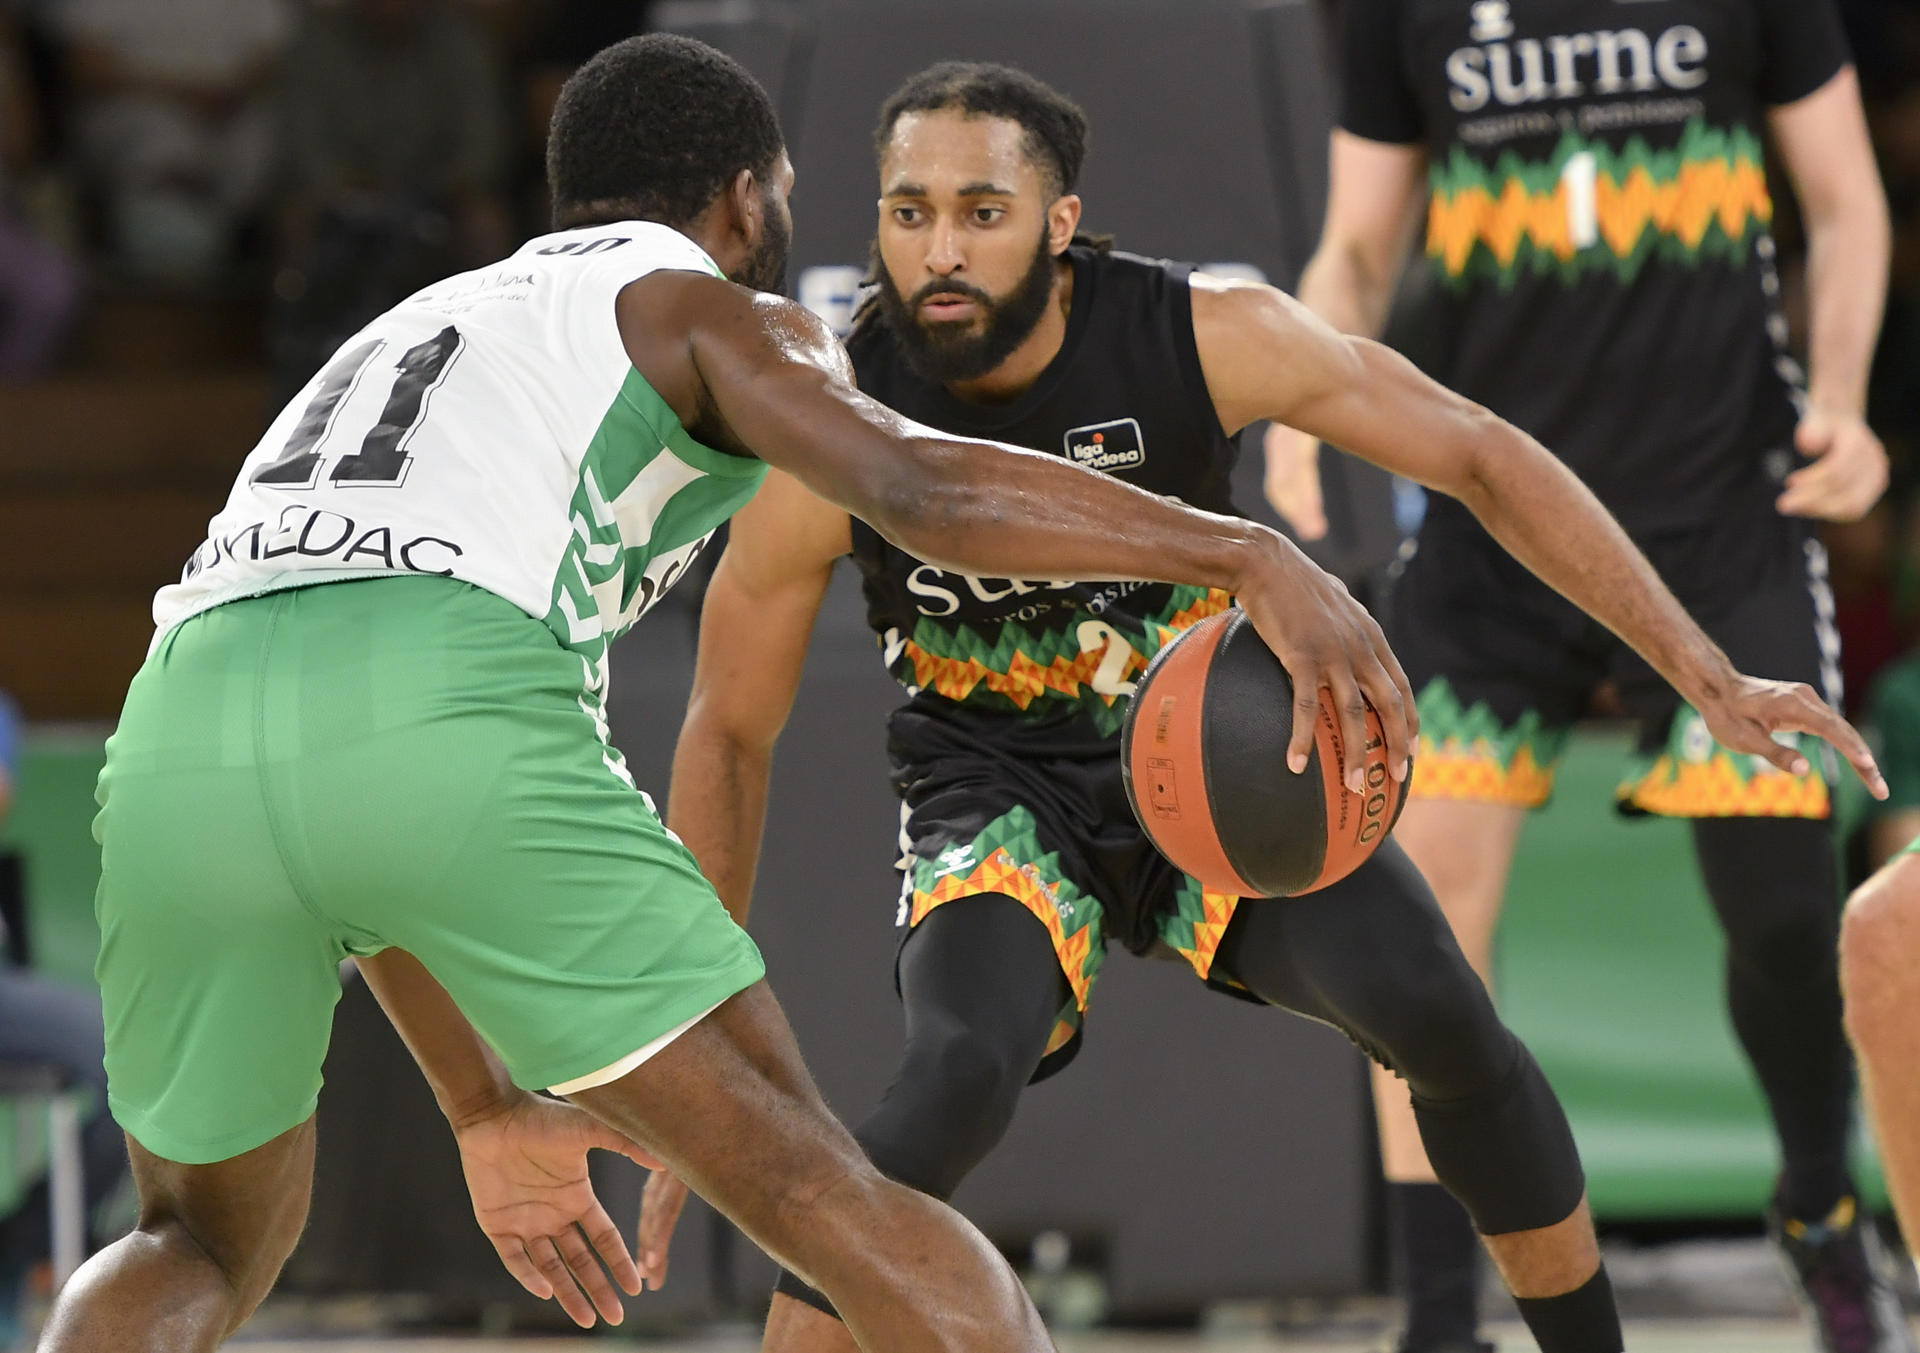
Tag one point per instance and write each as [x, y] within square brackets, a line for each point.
[338, 768]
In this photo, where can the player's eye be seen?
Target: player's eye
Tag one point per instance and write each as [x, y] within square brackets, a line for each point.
[988, 215]
[907, 216]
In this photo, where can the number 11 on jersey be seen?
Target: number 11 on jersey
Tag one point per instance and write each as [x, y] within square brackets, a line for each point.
[381, 460]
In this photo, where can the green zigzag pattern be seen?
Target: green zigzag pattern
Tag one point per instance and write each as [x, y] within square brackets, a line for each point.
[1443, 719]
[1698, 143]
[1017, 833]
[962, 643]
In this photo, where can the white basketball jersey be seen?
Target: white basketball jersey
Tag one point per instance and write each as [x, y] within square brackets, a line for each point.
[489, 428]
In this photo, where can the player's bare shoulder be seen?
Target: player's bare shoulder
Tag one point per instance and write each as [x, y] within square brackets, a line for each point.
[1263, 353]
[682, 330]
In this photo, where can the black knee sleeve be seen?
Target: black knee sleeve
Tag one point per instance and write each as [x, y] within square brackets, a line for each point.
[982, 988]
[1506, 1153]
[786, 1285]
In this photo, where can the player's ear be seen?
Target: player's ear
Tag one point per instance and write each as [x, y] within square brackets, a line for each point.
[1063, 218]
[746, 207]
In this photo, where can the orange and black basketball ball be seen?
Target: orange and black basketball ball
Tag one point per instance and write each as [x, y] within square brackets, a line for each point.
[1204, 751]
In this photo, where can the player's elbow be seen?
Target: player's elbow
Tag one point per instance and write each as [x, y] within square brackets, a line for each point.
[1480, 449]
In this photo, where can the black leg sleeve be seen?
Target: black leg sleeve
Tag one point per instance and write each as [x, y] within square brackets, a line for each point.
[1373, 956]
[982, 990]
[1776, 888]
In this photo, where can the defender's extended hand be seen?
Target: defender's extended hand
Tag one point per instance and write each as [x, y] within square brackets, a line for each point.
[659, 1214]
[1746, 715]
[1334, 652]
[526, 1167]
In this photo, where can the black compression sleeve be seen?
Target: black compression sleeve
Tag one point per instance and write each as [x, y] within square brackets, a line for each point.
[1802, 46]
[1376, 100]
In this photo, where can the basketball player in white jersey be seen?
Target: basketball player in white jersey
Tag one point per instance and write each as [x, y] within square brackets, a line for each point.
[371, 725]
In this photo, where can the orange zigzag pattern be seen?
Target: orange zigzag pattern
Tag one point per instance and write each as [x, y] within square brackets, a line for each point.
[999, 873]
[1207, 930]
[1684, 207]
[1715, 788]
[1453, 770]
[1025, 680]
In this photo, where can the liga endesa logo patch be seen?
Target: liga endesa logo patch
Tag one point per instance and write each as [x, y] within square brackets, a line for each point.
[1107, 446]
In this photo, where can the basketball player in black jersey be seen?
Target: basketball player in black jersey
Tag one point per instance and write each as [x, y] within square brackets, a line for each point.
[992, 317]
[1621, 302]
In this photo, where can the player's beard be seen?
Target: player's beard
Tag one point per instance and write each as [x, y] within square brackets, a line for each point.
[766, 268]
[945, 351]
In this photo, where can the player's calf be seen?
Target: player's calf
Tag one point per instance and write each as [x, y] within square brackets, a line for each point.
[1879, 938]
[210, 1242]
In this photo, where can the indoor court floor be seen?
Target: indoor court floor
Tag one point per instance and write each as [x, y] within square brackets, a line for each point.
[1663, 1336]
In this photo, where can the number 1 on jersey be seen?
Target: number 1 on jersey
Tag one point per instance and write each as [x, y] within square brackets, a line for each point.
[1581, 179]
[382, 459]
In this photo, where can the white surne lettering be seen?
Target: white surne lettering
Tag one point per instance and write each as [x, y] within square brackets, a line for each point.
[937, 600]
[1532, 70]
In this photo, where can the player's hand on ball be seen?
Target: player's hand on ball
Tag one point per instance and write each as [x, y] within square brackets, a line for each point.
[659, 1214]
[526, 1167]
[1751, 711]
[1848, 473]
[1334, 652]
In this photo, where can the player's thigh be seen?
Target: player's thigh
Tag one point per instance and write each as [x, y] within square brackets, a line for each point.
[217, 982]
[967, 840]
[244, 1214]
[729, 1106]
[1464, 848]
[483, 824]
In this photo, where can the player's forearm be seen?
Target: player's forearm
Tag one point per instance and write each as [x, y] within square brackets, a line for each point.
[1849, 246]
[718, 807]
[995, 511]
[1344, 289]
[1546, 518]
[467, 1077]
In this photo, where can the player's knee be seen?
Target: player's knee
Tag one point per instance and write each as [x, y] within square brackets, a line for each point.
[1434, 1024]
[1879, 933]
[951, 1105]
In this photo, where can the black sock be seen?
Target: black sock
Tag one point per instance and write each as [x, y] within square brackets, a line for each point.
[1811, 1188]
[1581, 1321]
[1439, 1255]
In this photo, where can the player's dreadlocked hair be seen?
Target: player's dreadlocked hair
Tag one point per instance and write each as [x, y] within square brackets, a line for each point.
[1056, 129]
[652, 129]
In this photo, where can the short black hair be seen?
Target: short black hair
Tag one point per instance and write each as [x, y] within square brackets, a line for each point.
[1055, 127]
[652, 129]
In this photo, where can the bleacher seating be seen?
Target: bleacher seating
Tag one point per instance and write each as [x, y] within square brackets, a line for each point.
[108, 474]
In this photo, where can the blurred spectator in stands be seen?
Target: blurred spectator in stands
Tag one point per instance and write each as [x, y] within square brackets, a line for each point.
[39, 285]
[43, 1022]
[395, 142]
[173, 126]
[563, 37]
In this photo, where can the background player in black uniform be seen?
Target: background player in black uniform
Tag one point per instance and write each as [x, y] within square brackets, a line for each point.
[1600, 272]
[1022, 857]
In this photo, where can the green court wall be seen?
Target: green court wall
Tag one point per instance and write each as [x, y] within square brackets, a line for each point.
[1609, 965]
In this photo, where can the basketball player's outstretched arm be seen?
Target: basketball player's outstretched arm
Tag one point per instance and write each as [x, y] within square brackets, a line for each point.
[524, 1156]
[755, 374]
[1267, 356]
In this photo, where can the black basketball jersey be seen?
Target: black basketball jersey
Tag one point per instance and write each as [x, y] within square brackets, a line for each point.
[1602, 272]
[1046, 661]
